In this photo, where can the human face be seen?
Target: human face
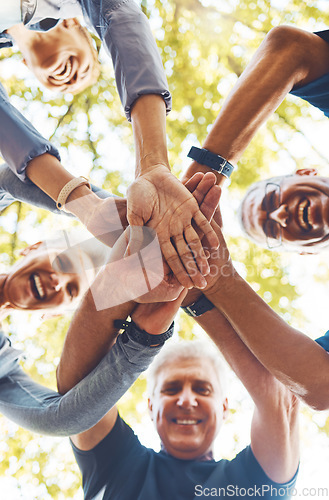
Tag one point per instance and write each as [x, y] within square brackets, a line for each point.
[187, 407]
[33, 283]
[300, 217]
[61, 58]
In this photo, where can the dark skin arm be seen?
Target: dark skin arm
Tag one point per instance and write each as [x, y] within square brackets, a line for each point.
[287, 58]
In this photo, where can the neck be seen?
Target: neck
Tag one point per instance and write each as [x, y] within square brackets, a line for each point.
[22, 36]
[204, 458]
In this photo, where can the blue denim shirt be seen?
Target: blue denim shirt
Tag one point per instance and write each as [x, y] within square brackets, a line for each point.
[127, 38]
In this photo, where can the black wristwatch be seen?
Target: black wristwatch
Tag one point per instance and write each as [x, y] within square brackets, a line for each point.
[131, 330]
[215, 162]
[200, 306]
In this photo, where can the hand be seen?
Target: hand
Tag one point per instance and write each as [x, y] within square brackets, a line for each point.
[216, 214]
[105, 218]
[159, 200]
[157, 318]
[220, 263]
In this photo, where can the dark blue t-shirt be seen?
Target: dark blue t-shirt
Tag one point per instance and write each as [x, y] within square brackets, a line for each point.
[317, 92]
[120, 468]
[324, 341]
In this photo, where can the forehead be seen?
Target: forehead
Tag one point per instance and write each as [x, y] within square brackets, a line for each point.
[191, 369]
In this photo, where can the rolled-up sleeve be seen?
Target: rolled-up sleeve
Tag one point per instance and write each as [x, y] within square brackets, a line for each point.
[20, 142]
[43, 410]
[127, 37]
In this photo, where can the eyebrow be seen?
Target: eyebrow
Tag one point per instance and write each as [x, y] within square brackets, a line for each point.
[178, 381]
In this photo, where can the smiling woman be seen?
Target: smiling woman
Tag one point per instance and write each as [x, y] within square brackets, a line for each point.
[63, 59]
[49, 277]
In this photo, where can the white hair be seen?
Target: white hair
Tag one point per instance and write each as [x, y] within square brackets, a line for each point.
[187, 349]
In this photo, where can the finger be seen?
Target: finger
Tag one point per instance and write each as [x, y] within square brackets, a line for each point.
[202, 188]
[204, 225]
[172, 258]
[135, 241]
[218, 216]
[199, 257]
[192, 183]
[210, 202]
[192, 256]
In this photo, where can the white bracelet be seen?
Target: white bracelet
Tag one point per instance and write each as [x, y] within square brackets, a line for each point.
[68, 188]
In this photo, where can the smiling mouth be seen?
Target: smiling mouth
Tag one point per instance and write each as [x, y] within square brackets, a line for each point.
[186, 421]
[37, 287]
[64, 72]
[304, 215]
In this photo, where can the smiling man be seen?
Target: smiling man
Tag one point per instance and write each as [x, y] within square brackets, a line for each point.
[289, 60]
[288, 212]
[188, 406]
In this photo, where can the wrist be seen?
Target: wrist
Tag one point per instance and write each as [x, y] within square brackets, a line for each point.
[150, 162]
[197, 167]
[226, 282]
[82, 202]
[129, 329]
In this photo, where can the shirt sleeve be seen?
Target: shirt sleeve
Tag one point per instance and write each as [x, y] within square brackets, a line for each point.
[42, 410]
[108, 458]
[127, 37]
[13, 189]
[20, 142]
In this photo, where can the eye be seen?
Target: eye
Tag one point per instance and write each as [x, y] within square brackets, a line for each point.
[204, 391]
[170, 391]
[69, 289]
[63, 264]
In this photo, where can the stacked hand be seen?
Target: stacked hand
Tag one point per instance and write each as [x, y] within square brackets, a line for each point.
[159, 201]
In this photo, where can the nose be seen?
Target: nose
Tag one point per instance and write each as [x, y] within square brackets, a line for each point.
[55, 282]
[187, 399]
[280, 215]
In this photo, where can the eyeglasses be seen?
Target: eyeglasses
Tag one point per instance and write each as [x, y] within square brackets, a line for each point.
[272, 229]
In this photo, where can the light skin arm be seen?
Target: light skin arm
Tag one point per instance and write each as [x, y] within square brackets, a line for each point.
[287, 57]
[166, 205]
[274, 430]
[292, 357]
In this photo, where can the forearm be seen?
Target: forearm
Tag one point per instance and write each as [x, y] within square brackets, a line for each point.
[90, 336]
[149, 127]
[287, 57]
[42, 410]
[292, 357]
[258, 381]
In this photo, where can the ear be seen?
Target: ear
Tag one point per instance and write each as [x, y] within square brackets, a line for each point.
[70, 23]
[225, 408]
[28, 249]
[307, 171]
[150, 407]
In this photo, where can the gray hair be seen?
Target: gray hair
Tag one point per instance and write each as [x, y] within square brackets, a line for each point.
[187, 349]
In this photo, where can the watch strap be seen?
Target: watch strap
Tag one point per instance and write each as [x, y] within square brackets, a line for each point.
[199, 307]
[68, 188]
[131, 330]
[215, 162]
